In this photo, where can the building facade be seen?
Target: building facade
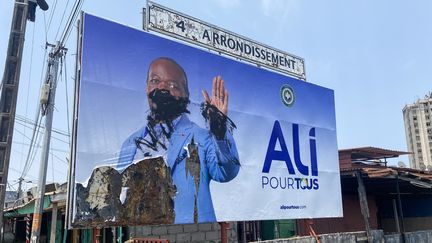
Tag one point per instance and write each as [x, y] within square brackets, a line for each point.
[418, 130]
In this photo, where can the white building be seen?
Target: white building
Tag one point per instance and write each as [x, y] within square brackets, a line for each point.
[418, 130]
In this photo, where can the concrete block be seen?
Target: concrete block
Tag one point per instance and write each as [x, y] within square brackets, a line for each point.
[212, 235]
[205, 227]
[216, 226]
[159, 230]
[174, 229]
[190, 228]
[140, 231]
[198, 236]
[171, 238]
[183, 237]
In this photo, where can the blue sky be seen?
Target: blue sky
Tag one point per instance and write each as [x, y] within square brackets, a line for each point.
[375, 55]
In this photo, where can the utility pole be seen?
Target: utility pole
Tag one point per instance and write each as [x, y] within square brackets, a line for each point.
[9, 93]
[9, 88]
[47, 99]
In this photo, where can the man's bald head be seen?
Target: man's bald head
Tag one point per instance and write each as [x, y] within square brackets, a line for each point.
[165, 73]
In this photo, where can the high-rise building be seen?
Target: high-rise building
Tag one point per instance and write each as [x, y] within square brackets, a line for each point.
[418, 131]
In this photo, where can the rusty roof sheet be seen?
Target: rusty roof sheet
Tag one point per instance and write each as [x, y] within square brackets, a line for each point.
[384, 171]
[370, 153]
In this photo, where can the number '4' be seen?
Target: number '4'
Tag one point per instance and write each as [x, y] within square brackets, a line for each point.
[180, 25]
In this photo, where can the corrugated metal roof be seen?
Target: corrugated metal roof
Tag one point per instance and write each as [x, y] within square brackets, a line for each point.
[385, 171]
[371, 153]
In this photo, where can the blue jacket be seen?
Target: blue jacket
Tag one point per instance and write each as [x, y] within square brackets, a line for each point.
[219, 161]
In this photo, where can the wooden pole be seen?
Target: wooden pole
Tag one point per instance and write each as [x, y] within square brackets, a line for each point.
[364, 205]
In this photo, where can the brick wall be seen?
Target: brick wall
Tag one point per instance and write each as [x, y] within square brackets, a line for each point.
[209, 232]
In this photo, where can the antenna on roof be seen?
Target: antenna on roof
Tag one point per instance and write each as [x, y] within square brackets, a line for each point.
[401, 164]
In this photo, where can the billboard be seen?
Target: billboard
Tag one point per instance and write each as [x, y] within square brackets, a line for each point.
[167, 133]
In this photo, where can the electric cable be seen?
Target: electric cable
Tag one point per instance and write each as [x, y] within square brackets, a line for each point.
[53, 149]
[34, 138]
[71, 21]
[28, 87]
[52, 14]
[61, 21]
[31, 122]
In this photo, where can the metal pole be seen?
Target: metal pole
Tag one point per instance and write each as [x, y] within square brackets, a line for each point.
[114, 233]
[9, 93]
[20, 180]
[244, 232]
[224, 226]
[402, 225]
[47, 110]
[27, 219]
[53, 223]
[396, 216]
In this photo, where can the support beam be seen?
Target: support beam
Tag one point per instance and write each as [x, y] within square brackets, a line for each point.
[364, 205]
[224, 226]
[75, 236]
[402, 225]
[53, 223]
[9, 94]
[47, 109]
[396, 216]
[97, 235]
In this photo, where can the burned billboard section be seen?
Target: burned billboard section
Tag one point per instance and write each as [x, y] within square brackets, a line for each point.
[170, 134]
[113, 198]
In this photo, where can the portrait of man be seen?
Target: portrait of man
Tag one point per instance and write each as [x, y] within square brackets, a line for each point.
[195, 155]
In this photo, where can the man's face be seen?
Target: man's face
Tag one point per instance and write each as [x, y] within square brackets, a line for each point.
[164, 74]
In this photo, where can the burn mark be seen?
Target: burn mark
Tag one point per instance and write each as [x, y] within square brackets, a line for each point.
[166, 107]
[149, 198]
[218, 121]
[193, 168]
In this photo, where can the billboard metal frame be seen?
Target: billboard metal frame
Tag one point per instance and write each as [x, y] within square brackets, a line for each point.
[71, 173]
[151, 27]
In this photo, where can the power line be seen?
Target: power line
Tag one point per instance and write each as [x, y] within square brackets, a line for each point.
[60, 159]
[29, 82]
[31, 122]
[52, 15]
[61, 21]
[25, 125]
[71, 20]
[51, 149]
[35, 135]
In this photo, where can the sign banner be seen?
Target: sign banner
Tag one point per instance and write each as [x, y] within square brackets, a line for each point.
[166, 133]
[197, 32]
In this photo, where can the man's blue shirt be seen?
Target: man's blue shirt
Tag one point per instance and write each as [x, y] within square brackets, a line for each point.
[219, 161]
